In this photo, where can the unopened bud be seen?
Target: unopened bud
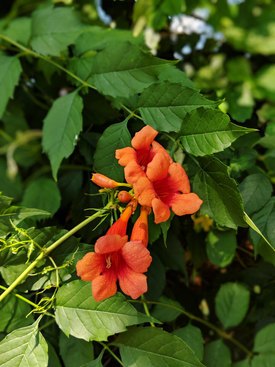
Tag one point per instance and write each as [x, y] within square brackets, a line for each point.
[103, 181]
[124, 196]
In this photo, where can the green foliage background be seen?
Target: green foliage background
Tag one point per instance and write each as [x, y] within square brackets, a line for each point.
[77, 79]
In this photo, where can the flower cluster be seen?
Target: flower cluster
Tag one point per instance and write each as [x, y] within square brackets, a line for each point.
[156, 183]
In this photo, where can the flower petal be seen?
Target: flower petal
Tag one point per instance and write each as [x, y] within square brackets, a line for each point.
[136, 256]
[120, 226]
[157, 169]
[132, 283]
[158, 148]
[125, 155]
[133, 172]
[110, 243]
[179, 178]
[144, 191]
[140, 229]
[186, 203]
[161, 211]
[104, 286]
[143, 138]
[90, 266]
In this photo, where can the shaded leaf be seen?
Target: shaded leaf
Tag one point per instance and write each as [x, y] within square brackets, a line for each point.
[221, 247]
[61, 127]
[264, 221]
[231, 304]
[75, 352]
[14, 314]
[219, 192]
[217, 354]
[152, 347]
[10, 70]
[166, 314]
[265, 339]
[114, 137]
[42, 194]
[256, 190]
[193, 337]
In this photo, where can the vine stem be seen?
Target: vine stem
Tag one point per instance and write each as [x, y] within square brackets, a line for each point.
[146, 309]
[219, 331]
[24, 299]
[28, 51]
[105, 346]
[84, 83]
[49, 249]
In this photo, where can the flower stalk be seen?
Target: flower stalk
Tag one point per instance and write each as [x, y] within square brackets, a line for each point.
[46, 251]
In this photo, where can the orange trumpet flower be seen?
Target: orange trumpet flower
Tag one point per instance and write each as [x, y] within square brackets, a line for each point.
[173, 192]
[116, 259]
[146, 158]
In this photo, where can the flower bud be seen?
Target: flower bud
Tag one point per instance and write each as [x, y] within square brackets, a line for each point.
[124, 196]
[140, 229]
[103, 181]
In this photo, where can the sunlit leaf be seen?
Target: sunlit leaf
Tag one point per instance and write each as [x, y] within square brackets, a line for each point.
[24, 347]
[78, 314]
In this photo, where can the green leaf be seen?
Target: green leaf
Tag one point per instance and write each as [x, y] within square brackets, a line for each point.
[264, 347]
[192, 337]
[114, 137]
[75, 352]
[217, 354]
[206, 132]
[221, 247]
[13, 215]
[231, 304]
[164, 105]
[96, 362]
[152, 347]
[14, 314]
[265, 339]
[253, 226]
[53, 29]
[264, 221]
[98, 38]
[156, 278]
[219, 192]
[240, 102]
[19, 29]
[117, 76]
[264, 81]
[257, 33]
[42, 194]
[78, 314]
[172, 255]
[256, 191]
[61, 127]
[244, 363]
[10, 70]
[10, 187]
[53, 357]
[166, 314]
[24, 347]
[263, 360]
